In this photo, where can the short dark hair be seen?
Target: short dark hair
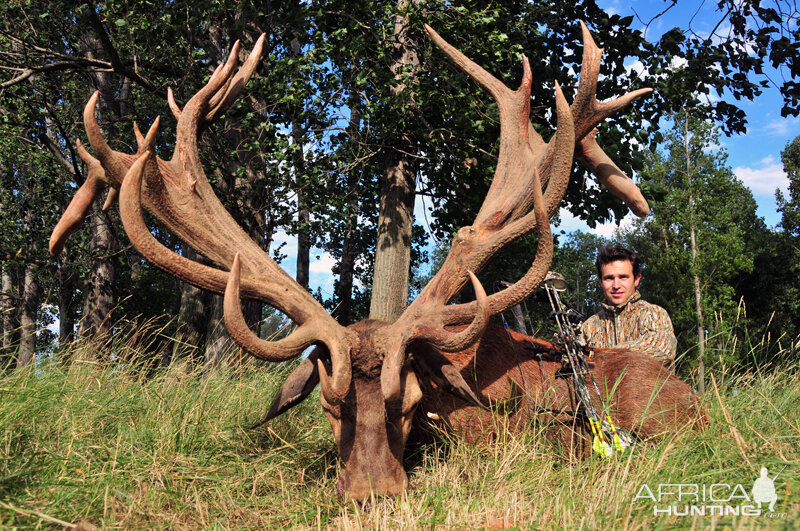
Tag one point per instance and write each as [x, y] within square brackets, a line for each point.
[613, 253]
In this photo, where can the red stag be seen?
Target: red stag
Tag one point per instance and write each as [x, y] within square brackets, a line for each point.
[372, 373]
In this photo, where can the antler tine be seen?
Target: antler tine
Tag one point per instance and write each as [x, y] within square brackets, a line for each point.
[234, 87]
[281, 350]
[588, 114]
[111, 160]
[79, 207]
[307, 334]
[587, 110]
[556, 163]
[192, 118]
[219, 94]
[447, 341]
[486, 80]
[111, 199]
[139, 137]
[609, 174]
[176, 111]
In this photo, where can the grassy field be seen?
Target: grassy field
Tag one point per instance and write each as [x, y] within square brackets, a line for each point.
[89, 445]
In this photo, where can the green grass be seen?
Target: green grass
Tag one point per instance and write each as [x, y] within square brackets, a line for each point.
[105, 445]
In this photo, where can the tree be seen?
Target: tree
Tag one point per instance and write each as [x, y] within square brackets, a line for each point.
[702, 237]
[356, 61]
[789, 207]
[772, 291]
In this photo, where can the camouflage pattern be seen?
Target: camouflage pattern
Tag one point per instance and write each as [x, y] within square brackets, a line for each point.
[635, 325]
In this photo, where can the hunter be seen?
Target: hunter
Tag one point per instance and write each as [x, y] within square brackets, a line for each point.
[626, 321]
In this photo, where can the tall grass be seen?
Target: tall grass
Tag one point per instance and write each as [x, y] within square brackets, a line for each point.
[118, 445]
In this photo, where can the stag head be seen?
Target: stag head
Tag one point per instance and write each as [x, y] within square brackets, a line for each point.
[369, 373]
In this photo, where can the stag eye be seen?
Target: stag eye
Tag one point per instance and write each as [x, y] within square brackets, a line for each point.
[329, 409]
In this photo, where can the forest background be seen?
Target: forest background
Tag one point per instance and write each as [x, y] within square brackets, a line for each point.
[351, 100]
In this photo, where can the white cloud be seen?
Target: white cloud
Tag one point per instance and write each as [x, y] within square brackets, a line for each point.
[570, 223]
[763, 181]
[320, 262]
[608, 230]
[635, 67]
[783, 126]
[613, 9]
[678, 63]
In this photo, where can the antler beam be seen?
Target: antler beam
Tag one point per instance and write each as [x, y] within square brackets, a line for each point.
[179, 195]
[528, 186]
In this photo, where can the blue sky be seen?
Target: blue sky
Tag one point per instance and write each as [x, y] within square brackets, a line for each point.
[754, 156]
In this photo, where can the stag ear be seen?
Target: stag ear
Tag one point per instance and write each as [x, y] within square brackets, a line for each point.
[295, 389]
[438, 368]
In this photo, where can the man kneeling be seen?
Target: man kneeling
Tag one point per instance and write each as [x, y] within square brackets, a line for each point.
[626, 321]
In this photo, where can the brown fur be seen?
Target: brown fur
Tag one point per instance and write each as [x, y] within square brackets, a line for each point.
[504, 373]
[644, 397]
[371, 433]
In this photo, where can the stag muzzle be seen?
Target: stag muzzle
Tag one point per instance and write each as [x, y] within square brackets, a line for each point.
[371, 439]
[369, 475]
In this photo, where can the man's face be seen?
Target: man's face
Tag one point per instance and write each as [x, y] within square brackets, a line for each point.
[618, 281]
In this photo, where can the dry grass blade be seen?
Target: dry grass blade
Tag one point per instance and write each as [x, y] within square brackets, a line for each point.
[737, 437]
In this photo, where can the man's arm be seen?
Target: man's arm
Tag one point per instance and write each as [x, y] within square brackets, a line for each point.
[590, 329]
[656, 336]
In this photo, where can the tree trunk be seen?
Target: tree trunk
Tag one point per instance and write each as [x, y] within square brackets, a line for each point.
[101, 290]
[701, 332]
[299, 163]
[30, 308]
[398, 183]
[219, 342]
[99, 296]
[344, 287]
[220, 348]
[303, 216]
[192, 316]
[7, 307]
[66, 301]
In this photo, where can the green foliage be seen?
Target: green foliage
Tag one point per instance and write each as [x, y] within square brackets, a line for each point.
[323, 62]
[772, 292]
[703, 198]
[789, 207]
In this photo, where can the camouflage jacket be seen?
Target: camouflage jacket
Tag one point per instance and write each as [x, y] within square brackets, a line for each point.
[635, 325]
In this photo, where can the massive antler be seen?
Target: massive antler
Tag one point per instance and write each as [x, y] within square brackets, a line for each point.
[516, 203]
[179, 195]
[528, 185]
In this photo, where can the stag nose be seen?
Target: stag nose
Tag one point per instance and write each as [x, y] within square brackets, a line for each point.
[340, 489]
[361, 484]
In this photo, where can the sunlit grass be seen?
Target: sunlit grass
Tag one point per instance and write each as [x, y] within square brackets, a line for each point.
[119, 445]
